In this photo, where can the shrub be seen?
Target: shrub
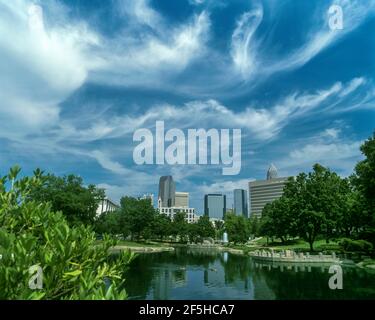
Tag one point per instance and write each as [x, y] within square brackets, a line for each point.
[356, 245]
[31, 234]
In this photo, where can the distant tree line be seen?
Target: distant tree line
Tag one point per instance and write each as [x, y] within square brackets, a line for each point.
[137, 219]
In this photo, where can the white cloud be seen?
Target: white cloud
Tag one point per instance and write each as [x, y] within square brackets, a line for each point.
[353, 85]
[148, 58]
[105, 161]
[243, 46]
[141, 11]
[259, 123]
[40, 66]
[331, 133]
[225, 187]
[329, 148]
[323, 152]
[253, 58]
[196, 2]
[321, 36]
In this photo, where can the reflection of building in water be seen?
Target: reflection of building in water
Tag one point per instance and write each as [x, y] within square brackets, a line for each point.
[213, 275]
[261, 289]
[171, 276]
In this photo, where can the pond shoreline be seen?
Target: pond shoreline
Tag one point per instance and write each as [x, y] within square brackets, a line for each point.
[140, 249]
[170, 247]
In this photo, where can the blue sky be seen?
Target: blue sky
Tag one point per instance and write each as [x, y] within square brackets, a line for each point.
[79, 77]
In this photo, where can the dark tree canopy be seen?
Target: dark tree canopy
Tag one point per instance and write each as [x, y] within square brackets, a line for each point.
[69, 195]
[138, 215]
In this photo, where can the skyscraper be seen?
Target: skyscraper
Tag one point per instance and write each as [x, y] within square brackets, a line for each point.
[182, 199]
[265, 191]
[167, 190]
[240, 202]
[272, 172]
[215, 205]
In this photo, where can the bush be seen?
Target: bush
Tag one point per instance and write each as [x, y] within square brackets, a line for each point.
[356, 245]
[32, 235]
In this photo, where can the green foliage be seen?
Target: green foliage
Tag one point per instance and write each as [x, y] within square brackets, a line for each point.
[32, 234]
[313, 204]
[219, 229]
[254, 226]
[161, 226]
[200, 230]
[364, 182]
[195, 233]
[207, 230]
[68, 194]
[364, 177]
[111, 223]
[277, 220]
[237, 228]
[138, 215]
[180, 227]
[356, 245]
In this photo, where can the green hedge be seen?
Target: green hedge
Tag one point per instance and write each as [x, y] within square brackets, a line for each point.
[356, 245]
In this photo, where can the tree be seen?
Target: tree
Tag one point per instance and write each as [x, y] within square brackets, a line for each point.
[180, 227]
[364, 177]
[277, 220]
[254, 226]
[111, 223]
[219, 229]
[206, 228]
[73, 265]
[194, 233]
[364, 182]
[161, 226]
[68, 195]
[138, 215]
[316, 201]
[237, 228]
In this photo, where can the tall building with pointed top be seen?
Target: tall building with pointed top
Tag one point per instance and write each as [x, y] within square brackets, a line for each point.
[271, 172]
[167, 190]
[262, 192]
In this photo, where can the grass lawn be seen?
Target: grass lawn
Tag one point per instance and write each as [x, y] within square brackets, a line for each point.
[300, 245]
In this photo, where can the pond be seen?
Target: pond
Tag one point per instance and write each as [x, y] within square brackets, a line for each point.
[193, 274]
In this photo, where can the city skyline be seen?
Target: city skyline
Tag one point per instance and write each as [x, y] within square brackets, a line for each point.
[277, 71]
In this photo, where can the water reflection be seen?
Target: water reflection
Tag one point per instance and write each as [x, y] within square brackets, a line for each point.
[208, 274]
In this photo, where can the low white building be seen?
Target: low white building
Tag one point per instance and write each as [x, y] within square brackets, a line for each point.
[191, 217]
[106, 205]
[213, 220]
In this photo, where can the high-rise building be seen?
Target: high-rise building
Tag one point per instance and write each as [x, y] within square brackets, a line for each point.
[182, 199]
[215, 205]
[167, 190]
[240, 202]
[265, 191]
